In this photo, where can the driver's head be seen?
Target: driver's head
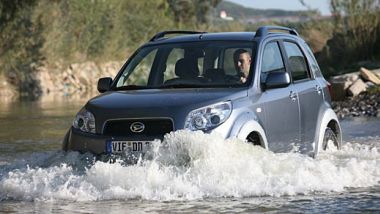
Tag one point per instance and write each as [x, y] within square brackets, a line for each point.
[242, 62]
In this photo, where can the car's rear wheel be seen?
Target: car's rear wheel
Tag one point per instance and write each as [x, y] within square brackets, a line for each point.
[330, 140]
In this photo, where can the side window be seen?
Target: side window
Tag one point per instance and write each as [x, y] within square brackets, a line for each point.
[175, 55]
[139, 72]
[297, 62]
[272, 60]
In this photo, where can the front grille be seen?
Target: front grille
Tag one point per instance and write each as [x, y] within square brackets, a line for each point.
[153, 127]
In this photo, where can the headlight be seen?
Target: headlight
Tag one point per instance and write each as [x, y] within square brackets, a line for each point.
[208, 117]
[85, 121]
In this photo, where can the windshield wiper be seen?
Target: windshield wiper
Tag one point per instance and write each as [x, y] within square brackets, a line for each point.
[131, 87]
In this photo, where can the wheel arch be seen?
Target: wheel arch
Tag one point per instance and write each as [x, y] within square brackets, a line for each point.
[247, 125]
[328, 119]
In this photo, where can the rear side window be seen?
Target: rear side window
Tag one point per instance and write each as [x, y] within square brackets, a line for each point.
[297, 61]
[272, 60]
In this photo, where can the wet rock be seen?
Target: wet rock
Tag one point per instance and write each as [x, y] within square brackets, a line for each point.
[82, 76]
[77, 78]
[340, 84]
[376, 71]
[338, 91]
[369, 76]
[357, 87]
[7, 91]
[347, 79]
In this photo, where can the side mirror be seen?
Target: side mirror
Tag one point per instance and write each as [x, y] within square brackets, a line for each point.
[104, 84]
[277, 80]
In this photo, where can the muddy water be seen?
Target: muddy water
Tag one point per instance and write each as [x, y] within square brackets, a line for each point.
[189, 172]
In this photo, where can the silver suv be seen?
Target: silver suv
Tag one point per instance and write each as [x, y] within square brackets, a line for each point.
[262, 87]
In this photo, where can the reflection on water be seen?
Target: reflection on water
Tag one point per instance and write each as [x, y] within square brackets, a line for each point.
[35, 126]
[361, 128]
[187, 173]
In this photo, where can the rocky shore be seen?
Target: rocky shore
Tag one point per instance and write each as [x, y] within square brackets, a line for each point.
[365, 104]
[357, 94]
[75, 81]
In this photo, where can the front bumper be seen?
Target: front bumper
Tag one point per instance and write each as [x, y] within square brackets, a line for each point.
[77, 140]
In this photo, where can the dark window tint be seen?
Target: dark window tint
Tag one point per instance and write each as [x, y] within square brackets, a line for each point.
[297, 61]
[272, 60]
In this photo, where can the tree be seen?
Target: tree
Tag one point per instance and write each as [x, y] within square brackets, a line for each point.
[192, 11]
[358, 23]
[20, 45]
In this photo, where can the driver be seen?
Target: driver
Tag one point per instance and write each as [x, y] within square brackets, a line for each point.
[242, 62]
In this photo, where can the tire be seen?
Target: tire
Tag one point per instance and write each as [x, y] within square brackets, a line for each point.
[254, 139]
[330, 140]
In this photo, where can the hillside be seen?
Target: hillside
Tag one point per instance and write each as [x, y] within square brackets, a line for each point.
[57, 34]
[238, 12]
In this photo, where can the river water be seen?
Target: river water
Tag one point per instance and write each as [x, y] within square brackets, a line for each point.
[193, 172]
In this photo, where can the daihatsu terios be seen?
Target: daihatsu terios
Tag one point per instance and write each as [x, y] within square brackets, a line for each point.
[194, 81]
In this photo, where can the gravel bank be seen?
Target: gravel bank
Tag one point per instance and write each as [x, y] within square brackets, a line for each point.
[367, 105]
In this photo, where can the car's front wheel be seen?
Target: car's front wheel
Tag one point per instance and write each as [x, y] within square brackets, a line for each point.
[330, 140]
[254, 139]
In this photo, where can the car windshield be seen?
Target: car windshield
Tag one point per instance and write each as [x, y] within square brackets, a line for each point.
[188, 65]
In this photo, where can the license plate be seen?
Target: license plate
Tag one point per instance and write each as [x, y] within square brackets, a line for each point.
[127, 146]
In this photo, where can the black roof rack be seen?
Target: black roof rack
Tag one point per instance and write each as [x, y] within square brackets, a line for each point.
[163, 33]
[263, 31]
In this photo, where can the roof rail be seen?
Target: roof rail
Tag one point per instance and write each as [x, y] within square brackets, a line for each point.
[163, 33]
[264, 30]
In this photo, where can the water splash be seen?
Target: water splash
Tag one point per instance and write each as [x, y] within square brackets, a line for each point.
[190, 165]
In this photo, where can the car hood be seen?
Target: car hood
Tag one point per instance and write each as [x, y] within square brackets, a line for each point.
[157, 103]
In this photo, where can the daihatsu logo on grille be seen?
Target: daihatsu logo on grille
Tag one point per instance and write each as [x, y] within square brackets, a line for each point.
[137, 127]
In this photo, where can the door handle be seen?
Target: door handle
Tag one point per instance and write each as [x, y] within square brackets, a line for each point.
[318, 89]
[293, 96]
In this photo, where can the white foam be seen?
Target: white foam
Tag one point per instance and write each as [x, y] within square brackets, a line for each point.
[193, 165]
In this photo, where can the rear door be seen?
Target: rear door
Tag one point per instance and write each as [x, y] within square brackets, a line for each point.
[309, 92]
[280, 105]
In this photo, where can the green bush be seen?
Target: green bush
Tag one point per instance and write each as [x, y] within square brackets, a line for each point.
[355, 36]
